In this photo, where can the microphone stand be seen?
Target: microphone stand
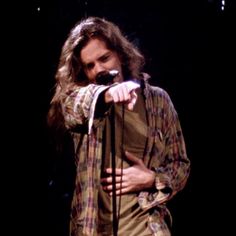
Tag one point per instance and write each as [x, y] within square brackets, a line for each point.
[113, 166]
[116, 212]
[106, 78]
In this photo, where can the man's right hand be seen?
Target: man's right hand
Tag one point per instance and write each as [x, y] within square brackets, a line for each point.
[123, 92]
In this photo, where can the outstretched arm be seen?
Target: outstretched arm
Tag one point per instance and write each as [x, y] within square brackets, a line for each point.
[123, 92]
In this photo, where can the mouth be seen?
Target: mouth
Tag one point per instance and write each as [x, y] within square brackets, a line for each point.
[106, 77]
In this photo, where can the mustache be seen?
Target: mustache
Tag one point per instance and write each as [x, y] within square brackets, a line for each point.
[106, 77]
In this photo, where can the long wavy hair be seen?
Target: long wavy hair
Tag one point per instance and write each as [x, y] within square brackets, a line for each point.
[70, 72]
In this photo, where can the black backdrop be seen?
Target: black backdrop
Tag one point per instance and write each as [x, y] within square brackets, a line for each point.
[187, 45]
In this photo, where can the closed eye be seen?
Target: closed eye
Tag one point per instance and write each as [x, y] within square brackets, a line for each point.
[89, 66]
[104, 58]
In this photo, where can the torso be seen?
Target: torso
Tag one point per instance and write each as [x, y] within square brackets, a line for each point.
[132, 219]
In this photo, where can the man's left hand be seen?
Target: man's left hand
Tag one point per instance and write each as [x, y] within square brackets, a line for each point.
[132, 179]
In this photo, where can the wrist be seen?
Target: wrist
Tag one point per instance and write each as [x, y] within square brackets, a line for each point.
[151, 182]
[107, 96]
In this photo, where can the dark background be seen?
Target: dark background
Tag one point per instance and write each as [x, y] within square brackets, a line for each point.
[188, 46]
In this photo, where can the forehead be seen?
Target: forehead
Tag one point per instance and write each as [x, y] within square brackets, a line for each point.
[93, 49]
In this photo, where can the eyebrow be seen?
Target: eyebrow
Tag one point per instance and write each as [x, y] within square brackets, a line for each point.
[99, 58]
[105, 55]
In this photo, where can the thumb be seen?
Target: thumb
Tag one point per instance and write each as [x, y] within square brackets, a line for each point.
[133, 158]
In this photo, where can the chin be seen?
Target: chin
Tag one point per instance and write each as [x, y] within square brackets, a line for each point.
[118, 79]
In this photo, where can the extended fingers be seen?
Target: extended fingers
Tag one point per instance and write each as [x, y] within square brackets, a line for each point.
[118, 171]
[108, 180]
[132, 100]
[121, 93]
[121, 191]
[118, 186]
[124, 92]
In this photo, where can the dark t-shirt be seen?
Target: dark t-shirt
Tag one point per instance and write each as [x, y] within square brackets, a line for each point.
[132, 219]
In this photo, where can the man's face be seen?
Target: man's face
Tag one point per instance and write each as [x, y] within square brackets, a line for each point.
[97, 58]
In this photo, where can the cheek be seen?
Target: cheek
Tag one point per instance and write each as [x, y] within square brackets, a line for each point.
[116, 64]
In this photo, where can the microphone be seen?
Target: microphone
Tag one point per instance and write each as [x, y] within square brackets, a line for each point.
[106, 77]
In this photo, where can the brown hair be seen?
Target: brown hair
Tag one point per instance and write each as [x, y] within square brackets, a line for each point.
[70, 71]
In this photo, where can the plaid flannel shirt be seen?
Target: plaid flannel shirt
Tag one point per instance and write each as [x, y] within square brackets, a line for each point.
[165, 153]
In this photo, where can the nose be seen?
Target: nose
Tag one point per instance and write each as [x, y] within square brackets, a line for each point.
[106, 78]
[99, 68]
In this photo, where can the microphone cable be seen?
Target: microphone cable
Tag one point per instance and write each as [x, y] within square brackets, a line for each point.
[116, 210]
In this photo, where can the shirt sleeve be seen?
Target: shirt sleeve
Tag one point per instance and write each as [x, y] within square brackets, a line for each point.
[173, 166]
[79, 105]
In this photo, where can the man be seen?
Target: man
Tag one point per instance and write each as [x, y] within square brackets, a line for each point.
[129, 148]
